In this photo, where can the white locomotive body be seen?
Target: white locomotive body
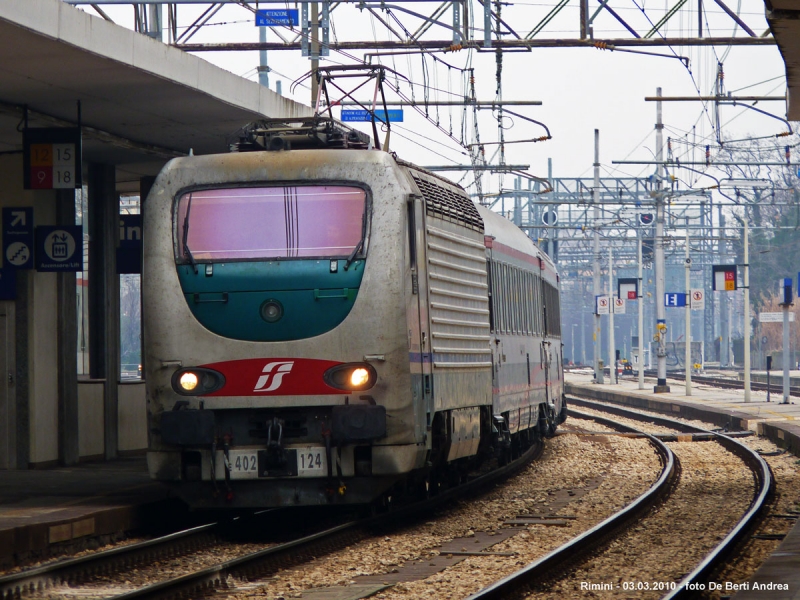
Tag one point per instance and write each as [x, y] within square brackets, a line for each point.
[320, 329]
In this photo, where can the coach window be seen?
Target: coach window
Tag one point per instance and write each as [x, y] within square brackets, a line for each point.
[512, 298]
[517, 304]
[527, 303]
[507, 292]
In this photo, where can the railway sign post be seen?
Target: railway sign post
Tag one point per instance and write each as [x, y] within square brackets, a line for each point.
[786, 289]
[601, 305]
[698, 299]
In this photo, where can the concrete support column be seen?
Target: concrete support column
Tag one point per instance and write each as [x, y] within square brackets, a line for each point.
[104, 295]
[68, 452]
[23, 330]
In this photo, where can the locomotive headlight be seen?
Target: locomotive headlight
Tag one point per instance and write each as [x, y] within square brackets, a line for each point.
[196, 381]
[188, 381]
[351, 376]
[359, 377]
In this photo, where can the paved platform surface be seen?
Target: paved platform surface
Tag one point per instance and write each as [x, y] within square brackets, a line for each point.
[726, 408]
[45, 512]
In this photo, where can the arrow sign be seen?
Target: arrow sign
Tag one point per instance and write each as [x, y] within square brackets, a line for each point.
[18, 237]
[18, 218]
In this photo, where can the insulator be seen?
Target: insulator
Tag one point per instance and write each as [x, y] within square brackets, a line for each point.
[783, 134]
[788, 155]
[708, 155]
[601, 45]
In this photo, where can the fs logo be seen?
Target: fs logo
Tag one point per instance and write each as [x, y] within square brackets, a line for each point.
[273, 376]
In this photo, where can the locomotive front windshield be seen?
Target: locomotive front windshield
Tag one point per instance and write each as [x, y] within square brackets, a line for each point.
[271, 223]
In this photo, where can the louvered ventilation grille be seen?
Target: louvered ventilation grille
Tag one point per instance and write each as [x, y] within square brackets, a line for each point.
[448, 205]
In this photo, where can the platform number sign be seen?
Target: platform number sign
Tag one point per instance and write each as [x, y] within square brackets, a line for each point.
[51, 158]
[724, 278]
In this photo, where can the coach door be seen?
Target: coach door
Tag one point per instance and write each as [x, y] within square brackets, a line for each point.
[8, 421]
[546, 367]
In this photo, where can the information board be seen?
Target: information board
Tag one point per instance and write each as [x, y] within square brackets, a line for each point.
[286, 17]
[51, 158]
[395, 115]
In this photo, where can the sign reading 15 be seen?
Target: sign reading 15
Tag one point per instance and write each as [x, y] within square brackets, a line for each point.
[51, 158]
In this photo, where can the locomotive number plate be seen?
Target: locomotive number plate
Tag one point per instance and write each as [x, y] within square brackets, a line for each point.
[311, 462]
[243, 464]
[254, 464]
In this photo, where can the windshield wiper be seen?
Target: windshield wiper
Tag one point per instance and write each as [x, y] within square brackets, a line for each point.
[352, 256]
[186, 252]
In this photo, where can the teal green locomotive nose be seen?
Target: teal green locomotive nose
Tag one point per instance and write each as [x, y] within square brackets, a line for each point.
[229, 300]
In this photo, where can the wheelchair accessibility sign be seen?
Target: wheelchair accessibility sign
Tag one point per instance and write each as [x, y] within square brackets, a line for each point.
[59, 248]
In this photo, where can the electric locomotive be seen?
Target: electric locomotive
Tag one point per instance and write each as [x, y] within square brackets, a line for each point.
[326, 324]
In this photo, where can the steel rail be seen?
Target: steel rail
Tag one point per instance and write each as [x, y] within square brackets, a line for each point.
[580, 545]
[731, 384]
[261, 562]
[19, 584]
[762, 494]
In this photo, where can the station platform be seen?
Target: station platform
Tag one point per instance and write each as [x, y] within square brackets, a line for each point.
[44, 513]
[726, 408]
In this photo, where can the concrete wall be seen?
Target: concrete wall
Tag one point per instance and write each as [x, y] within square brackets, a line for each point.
[90, 419]
[132, 417]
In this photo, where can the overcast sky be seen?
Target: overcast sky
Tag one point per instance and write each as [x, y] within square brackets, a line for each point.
[581, 89]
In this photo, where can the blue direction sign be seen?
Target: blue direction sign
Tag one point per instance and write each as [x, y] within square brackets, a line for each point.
[18, 237]
[395, 115]
[677, 300]
[8, 284]
[277, 17]
[129, 253]
[59, 248]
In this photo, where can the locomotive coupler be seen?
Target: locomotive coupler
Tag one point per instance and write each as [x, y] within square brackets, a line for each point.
[276, 455]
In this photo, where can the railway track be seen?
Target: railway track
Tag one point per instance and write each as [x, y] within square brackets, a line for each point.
[560, 559]
[44, 581]
[775, 387]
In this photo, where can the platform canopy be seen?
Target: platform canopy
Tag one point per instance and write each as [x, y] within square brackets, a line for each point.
[141, 101]
[784, 21]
